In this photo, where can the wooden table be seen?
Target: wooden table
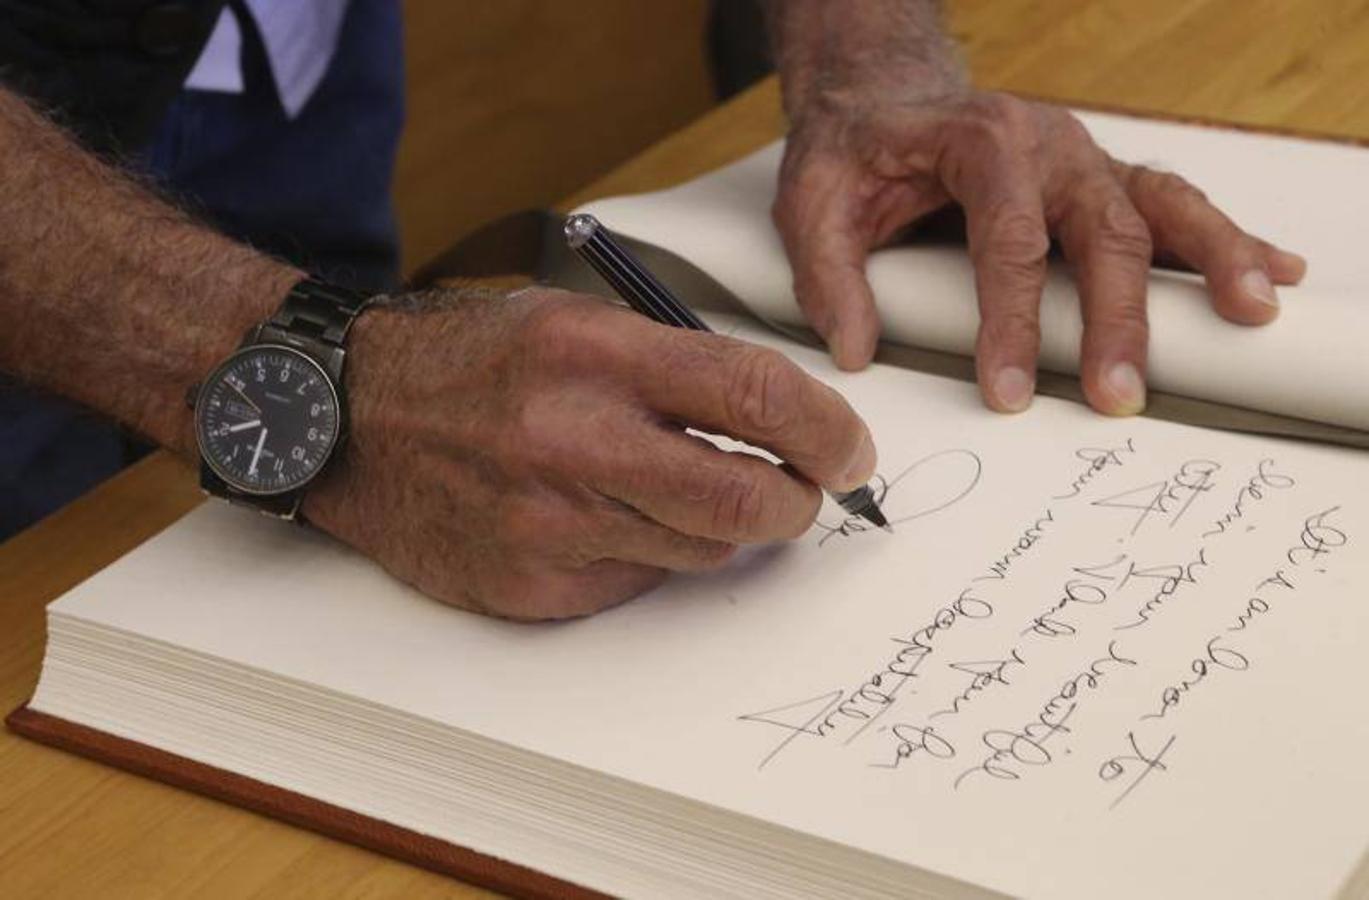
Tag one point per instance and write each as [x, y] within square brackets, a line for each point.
[69, 827]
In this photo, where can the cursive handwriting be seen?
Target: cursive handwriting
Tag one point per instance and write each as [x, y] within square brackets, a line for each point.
[983, 674]
[1098, 459]
[873, 697]
[1264, 479]
[1316, 538]
[930, 485]
[980, 703]
[1115, 767]
[914, 739]
[1214, 656]
[999, 568]
[1172, 577]
[1091, 589]
[1011, 749]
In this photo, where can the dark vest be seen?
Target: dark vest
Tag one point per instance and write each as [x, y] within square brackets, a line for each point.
[106, 69]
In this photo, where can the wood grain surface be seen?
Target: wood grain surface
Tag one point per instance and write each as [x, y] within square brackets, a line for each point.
[71, 828]
[515, 103]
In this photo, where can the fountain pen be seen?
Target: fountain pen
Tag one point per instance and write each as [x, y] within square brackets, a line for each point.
[587, 236]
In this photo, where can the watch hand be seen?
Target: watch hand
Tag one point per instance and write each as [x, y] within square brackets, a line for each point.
[243, 426]
[256, 452]
[245, 397]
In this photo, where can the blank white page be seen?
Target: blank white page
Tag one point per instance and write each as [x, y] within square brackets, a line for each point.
[1096, 657]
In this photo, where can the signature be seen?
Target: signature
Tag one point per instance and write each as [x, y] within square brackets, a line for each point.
[934, 483]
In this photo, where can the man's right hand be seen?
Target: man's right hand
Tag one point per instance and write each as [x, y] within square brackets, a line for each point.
[522, 456]
[526, 456]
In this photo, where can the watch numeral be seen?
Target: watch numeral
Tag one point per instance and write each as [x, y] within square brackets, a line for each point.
[297, 453]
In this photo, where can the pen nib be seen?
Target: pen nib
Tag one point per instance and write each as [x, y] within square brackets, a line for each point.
[861, 502]
[875, 516]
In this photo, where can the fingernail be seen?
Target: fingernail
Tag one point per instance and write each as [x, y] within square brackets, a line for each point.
[1013, 388]
[1127, 388]
[850, 350]
[845, 357]
[1296, 259]
[1257, 286]
[862, 467]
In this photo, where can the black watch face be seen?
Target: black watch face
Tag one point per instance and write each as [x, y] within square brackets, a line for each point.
[267, 420]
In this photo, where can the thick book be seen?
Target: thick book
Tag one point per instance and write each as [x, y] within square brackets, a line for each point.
[1094, 657]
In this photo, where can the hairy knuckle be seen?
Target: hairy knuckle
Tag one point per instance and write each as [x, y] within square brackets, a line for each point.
[529, 444]
[546, 321]
[764, 391]
[1003, 122]
[562, 334]
[985, 132]
[993, 106]
[1009, 110]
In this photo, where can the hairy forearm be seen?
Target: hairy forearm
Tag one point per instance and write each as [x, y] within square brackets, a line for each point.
[108, 295]
[829, 50]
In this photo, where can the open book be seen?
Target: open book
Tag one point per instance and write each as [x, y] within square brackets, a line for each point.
[1094, 658]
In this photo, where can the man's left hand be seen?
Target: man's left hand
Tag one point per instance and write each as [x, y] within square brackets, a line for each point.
[885, 131]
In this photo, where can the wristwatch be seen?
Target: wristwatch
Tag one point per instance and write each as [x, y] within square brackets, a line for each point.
[270, 417]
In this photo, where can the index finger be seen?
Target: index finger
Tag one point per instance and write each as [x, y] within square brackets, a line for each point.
[756, 395]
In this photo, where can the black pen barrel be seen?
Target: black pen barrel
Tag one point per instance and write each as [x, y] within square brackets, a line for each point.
[642, 291]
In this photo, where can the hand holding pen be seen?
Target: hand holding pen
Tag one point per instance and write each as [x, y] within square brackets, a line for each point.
[647, 295]
[528, 456]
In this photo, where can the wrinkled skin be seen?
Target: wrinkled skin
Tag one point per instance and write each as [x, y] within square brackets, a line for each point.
[864, 161]
[526, 456]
